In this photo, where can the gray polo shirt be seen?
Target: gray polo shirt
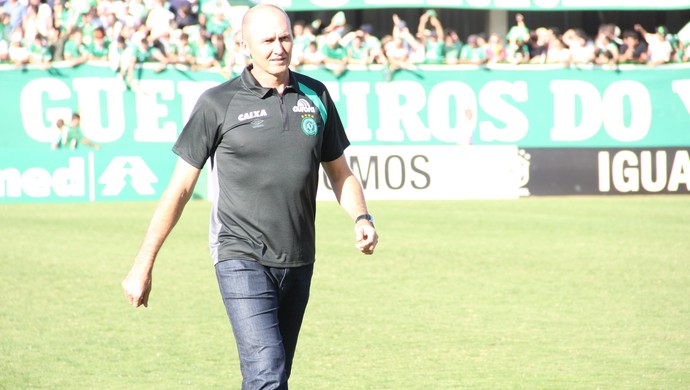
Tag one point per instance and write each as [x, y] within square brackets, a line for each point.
[265, 151]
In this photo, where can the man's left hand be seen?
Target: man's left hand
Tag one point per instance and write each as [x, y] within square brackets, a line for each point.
[366, 237]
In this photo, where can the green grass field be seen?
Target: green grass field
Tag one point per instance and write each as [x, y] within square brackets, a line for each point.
[541, 293]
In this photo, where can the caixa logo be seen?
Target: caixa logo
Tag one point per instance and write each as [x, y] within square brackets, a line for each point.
[630, 171]
[77, 180]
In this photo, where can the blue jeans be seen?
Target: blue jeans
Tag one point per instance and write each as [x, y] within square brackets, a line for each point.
[265, 306]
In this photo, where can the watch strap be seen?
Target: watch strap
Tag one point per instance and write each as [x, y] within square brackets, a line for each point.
[368, 217]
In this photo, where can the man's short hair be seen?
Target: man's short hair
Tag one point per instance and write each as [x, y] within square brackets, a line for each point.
[630, 34]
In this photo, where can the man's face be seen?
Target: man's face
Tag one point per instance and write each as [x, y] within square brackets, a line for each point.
[630, 41]
[98, 36]
[269, 41]
[77, 37]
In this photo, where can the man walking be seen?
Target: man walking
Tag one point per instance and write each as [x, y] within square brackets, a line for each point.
[265, 134]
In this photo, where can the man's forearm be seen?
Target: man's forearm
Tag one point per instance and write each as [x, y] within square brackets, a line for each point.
[351, 197]
[164, 219]
[167, 213]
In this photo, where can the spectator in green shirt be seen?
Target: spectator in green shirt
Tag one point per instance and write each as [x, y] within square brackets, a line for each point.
[60, 16]
[116, 51]
[334, 54]
[605, 51]
[204, 53]
[182, 51]
[71, 135]
[4, 37]
[75, 50]
[217, 23]
[518, 32]
[139, 52]
[517, 52]
[144, 52]
[39, 52]
[99, 46]
[472, 53]
[431, 39]
[89, 25]
[357, 52]
[452, 46]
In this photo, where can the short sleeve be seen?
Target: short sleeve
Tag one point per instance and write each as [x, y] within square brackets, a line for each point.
[198, 138]
[334, 140]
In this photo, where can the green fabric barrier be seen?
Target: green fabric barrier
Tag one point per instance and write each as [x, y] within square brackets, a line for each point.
[529, 107]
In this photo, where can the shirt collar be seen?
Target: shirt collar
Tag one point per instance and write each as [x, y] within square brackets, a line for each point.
[253, 85]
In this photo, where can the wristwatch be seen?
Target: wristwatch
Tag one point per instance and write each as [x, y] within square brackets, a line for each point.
[368, 217]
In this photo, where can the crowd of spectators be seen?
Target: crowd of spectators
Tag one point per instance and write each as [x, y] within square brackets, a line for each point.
[120, 33]
[432, 43]
[204, 34]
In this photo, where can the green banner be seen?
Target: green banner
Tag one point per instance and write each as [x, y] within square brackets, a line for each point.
[527, 107]
[524, 5]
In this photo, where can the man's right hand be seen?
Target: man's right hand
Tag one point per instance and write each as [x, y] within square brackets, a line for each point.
[137, 287]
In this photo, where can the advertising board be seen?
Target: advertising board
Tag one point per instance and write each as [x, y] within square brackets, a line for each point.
[437, 132]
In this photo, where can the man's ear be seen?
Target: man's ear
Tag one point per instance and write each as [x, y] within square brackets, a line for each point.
[245, 48]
